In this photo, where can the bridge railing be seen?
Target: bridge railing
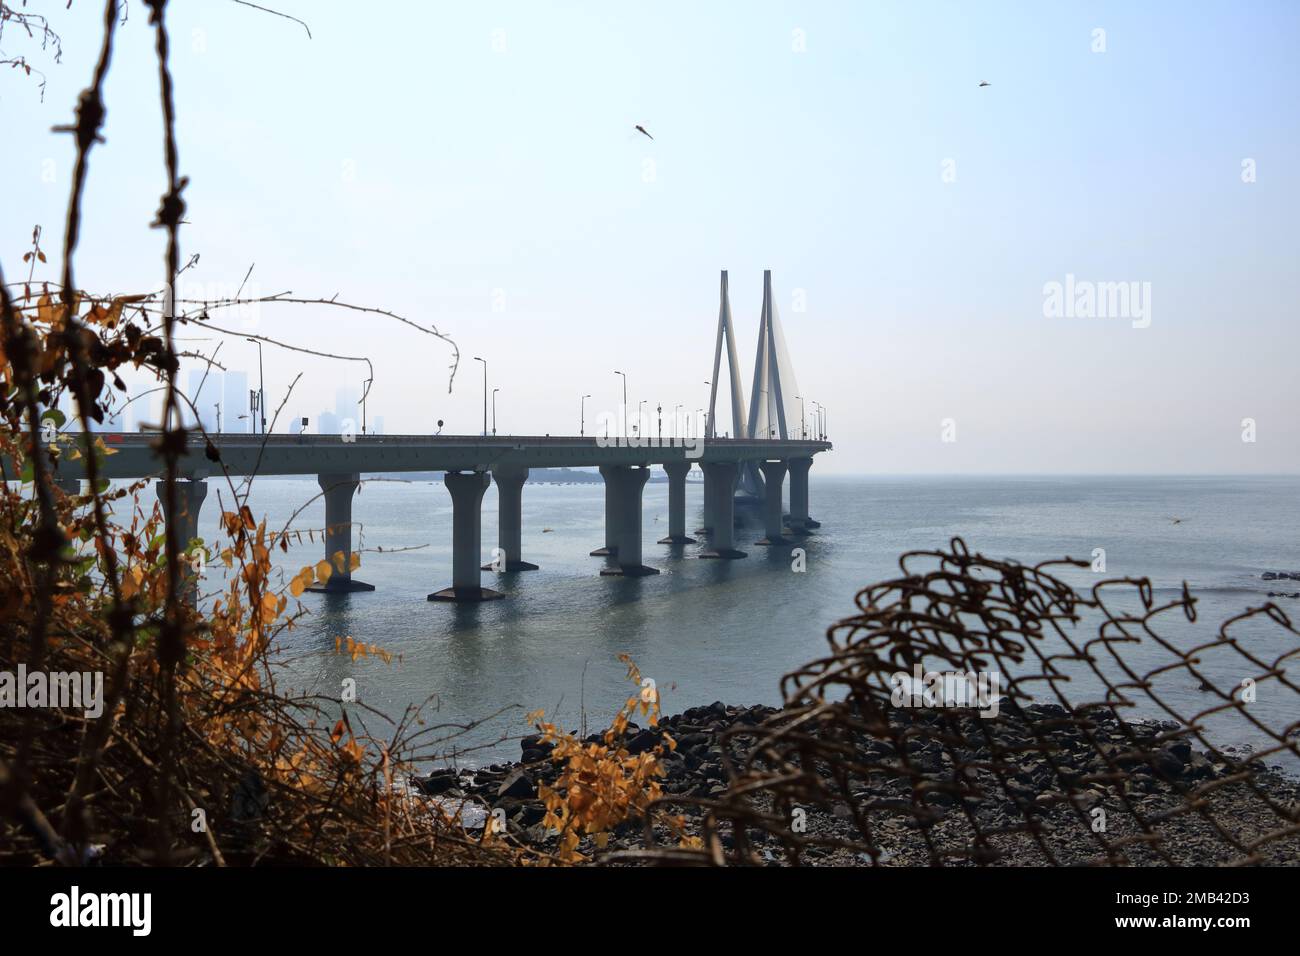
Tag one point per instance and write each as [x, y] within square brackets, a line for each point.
[135, 438]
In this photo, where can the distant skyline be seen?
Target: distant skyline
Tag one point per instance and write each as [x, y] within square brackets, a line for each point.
[1086, 267]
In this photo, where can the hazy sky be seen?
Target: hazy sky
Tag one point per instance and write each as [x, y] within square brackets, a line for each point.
[475, 165]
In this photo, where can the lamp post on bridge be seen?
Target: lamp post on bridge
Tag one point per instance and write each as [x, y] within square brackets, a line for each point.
[706, 419]
[803, 420]
[624, 374]
[582, 412]
[660, 410]
[365, 390]
[494, 411]
[261, 384]
[639, 417]
[484, 361]
[708, 413]
[677, 420]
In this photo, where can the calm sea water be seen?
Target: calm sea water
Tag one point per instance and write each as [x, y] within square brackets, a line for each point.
[728, 630]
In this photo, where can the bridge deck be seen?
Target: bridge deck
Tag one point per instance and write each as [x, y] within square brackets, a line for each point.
[243, 454]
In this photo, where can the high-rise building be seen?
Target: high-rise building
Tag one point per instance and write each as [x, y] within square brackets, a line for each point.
[140, 410]
[348, 408]
[204, 392]
[327, 423]
[234, 403]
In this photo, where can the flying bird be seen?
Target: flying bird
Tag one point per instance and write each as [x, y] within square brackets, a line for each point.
[1176, 520]
[641, 129]
[985, 83]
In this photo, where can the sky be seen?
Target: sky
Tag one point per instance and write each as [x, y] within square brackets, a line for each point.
[476, 167]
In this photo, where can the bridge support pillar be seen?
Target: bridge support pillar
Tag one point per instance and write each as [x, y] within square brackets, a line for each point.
[677, 472]
[611, 517]
[773, 481]
[338, 490]
[720, 495]
[626, 484]
[710, 496]
[800, 523]
[510, 509]
[467, 488]
[189, 499]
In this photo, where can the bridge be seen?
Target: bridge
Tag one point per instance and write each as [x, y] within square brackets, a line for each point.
[756, 463]
[470, 464]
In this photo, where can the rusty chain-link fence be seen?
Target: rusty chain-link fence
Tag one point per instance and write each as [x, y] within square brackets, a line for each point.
[1071, 731]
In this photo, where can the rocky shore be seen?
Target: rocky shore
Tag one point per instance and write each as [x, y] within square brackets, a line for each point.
[1240, 808]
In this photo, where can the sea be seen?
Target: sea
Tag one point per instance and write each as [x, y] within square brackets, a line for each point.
[707, 630]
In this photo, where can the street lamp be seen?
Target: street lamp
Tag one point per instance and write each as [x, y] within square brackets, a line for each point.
[698, 412]
[660, 410]
[677, 420]
[484, 361]
[639, 417]
[624, 401]
[494, 411]
[261, 383]
[803, 422]
[582, 412]
[624, 374]
[365, 390]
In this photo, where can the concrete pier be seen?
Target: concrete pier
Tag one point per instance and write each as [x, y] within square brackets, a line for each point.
[710, 493]
[611, 519]
[189, 499]
[719, 494]
[677, 472]
[467, 488]
[338, 489]
[510, 507]
[799, 521]
[773, 481]
[627, 484]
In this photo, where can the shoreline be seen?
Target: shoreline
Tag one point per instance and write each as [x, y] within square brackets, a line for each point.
[1150, 801]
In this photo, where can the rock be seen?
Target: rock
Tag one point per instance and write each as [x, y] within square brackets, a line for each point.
[645, 740]
[1198, 765]
[692, 742]
[1168, 762]
[440, 781]
[711, 771]
[518, 785]
[529, 814]
[250, 798]
[1143, 782]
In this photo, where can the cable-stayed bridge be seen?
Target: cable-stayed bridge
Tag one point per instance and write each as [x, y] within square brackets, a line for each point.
[755, 459]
